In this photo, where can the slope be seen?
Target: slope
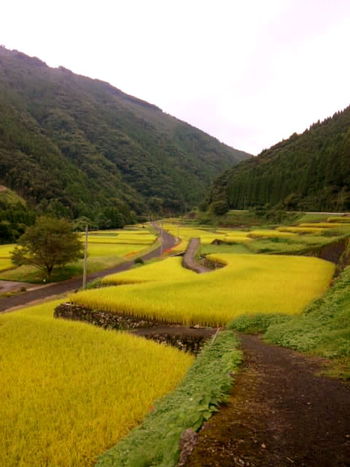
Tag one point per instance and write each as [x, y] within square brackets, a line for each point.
[310, 171]
[78, 146]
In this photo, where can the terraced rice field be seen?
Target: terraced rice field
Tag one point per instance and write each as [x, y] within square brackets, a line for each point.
[247, 284]
[302, 230]
[157, 271]
[70, 390]
[105, 249]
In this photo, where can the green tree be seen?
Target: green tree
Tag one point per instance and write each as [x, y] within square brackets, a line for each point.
[219, 208]
[47, 244]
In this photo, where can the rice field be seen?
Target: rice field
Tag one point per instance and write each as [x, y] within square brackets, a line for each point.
[270, 234]
[105, 250]
[247, 284]
[5, 264]
[207, 236]
[302, 230]
[169, 269]
[323, 225]
[70, 390]
[114, 249]
[122, 236]
[5, 261]
[5, 250]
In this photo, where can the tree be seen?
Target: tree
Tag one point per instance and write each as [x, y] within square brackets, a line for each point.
[220, 207]
[47, 244]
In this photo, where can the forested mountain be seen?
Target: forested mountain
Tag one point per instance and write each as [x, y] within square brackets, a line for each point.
[310, 171]
[76, 146]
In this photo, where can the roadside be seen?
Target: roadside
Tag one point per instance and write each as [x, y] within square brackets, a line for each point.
[280, 413]
[58, 288]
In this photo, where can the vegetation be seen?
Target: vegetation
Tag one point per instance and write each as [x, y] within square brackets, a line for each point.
[105, 250]
[310, 172]
[156, 271]
[217, 297]
[73, 390]
[323, 329]
[156, 441]
[73, 146]
[47, 244]
[14, 215]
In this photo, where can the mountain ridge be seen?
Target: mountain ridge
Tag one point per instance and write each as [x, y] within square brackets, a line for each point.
[75, 146]
[308, 171]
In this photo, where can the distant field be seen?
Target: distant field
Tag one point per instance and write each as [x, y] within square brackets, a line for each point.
[247, 284]
[5, 261]
[105, 250]
[5, 250]
[70, 390]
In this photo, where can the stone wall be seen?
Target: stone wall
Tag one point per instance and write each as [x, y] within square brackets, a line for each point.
[188, 339]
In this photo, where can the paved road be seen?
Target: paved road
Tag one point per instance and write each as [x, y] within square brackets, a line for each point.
[167, 241]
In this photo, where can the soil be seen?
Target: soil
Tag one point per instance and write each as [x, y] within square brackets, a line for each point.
[58, 288]
[280, 413]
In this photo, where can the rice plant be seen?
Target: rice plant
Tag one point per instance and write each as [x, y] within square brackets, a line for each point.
[70, 390]
[247, 284]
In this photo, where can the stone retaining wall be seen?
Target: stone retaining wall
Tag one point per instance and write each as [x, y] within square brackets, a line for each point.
[184, 338]
[104, 319]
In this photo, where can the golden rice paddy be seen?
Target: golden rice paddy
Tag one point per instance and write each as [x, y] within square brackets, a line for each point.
[70, 390]
[302, 230]
[270, 234]
[157, 271]
[247, 284]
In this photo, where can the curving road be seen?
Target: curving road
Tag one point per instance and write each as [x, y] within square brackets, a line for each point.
[58, 288]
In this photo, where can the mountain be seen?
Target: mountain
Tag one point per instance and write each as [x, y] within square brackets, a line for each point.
[76, 146]
[309, 171]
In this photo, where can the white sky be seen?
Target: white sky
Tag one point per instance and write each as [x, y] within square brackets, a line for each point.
[249, 72]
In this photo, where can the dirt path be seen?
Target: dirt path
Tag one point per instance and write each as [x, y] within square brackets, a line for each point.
[189, 260]
[59, 288]
[279, 414]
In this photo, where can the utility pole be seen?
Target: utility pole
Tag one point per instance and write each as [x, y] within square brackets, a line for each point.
[85, 256]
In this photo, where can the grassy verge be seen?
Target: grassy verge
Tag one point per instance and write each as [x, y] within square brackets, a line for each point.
[323, 329]
[156, 441]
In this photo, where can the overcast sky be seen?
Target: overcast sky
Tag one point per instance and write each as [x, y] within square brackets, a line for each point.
[249, 72]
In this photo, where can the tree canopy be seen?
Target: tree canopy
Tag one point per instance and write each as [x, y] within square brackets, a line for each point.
[310, 172]
[47, 244]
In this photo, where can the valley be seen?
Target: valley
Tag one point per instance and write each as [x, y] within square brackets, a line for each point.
[263, 280]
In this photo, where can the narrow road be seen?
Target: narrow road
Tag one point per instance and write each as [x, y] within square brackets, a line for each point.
[57, 288]
[189, 260]
[280, 414]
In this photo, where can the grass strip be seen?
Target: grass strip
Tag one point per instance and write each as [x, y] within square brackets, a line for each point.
[156, 441]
